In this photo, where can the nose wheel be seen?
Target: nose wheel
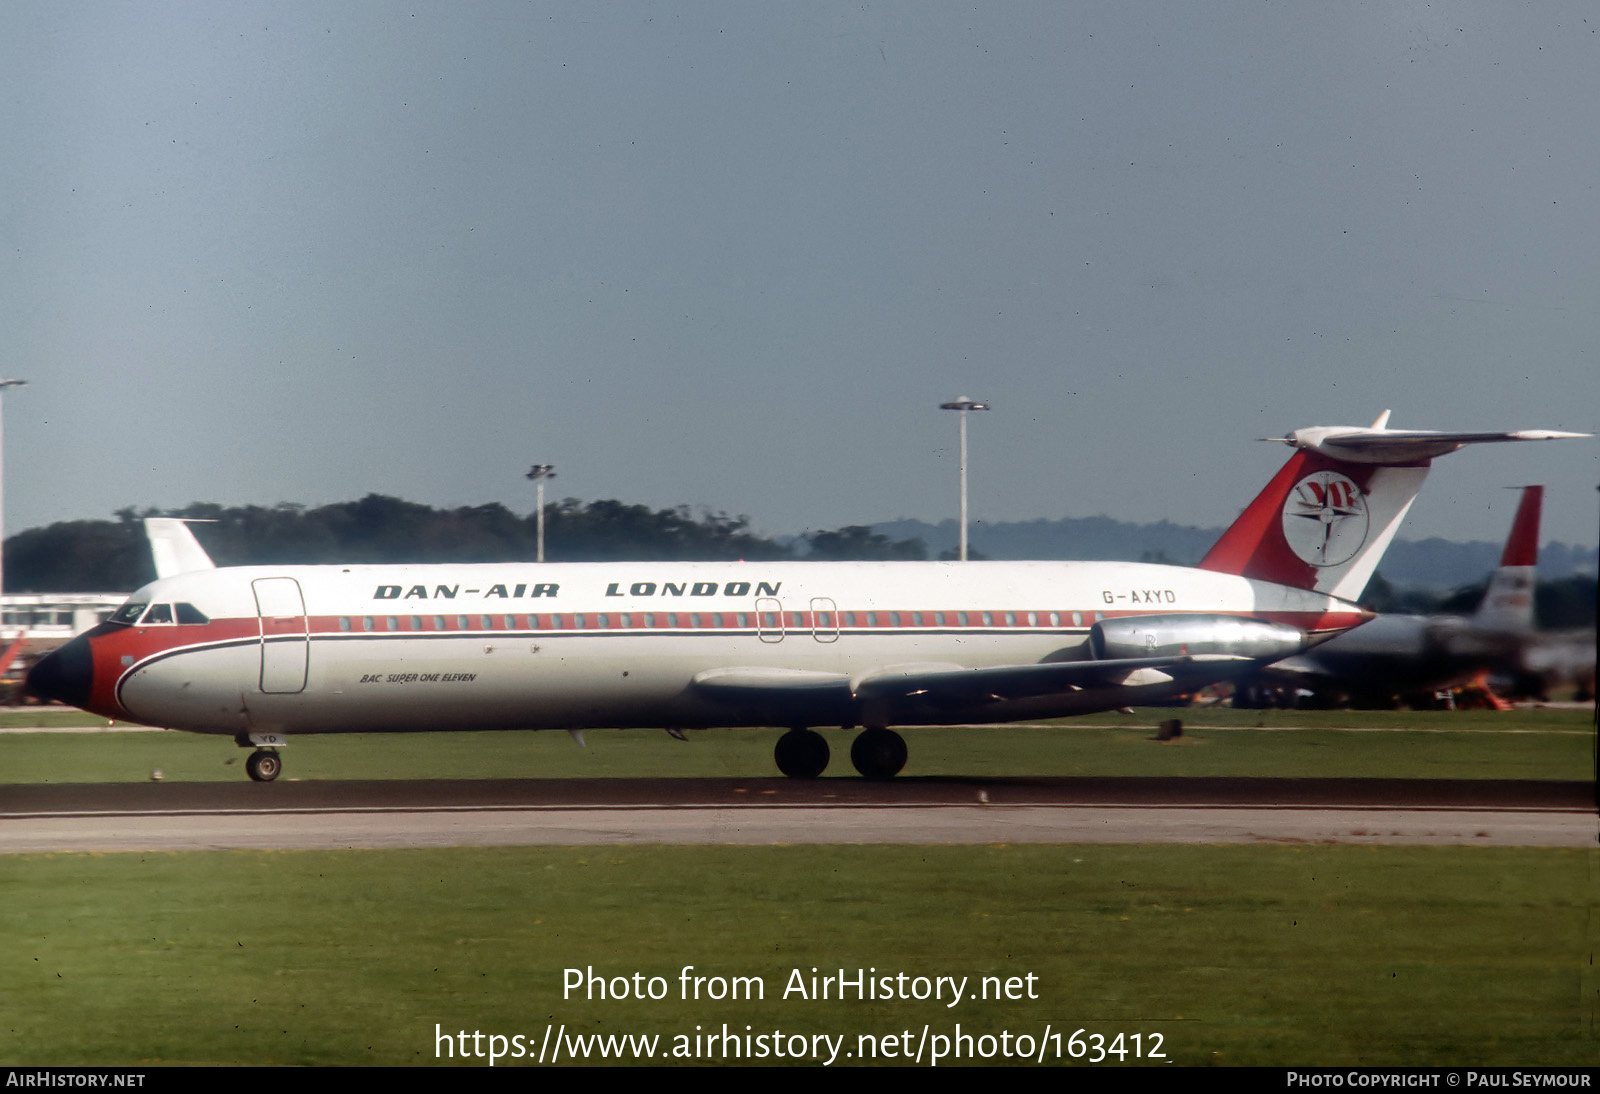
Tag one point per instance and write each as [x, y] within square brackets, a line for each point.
[264, 765]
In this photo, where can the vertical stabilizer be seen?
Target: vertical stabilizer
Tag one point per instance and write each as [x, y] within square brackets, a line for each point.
[174, 548]
[1508, 602]
[1322, 524]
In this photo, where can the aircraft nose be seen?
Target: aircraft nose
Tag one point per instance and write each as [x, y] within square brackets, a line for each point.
[64, 674]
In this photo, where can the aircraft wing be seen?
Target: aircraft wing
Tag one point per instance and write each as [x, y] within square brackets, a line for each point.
[954, 683]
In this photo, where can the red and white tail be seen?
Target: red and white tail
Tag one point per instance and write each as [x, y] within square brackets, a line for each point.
[1508, 602]
[1327, 516]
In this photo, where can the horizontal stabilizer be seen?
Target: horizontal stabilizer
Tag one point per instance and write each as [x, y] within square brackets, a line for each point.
[1403, 446]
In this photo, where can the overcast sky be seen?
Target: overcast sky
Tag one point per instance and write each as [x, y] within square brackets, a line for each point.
[735, 254]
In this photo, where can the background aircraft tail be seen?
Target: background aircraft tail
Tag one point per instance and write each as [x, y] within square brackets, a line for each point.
[1508, 602]
[1326, 518]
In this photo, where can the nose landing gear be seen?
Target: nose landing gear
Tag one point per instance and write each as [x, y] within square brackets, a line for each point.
[263, 765]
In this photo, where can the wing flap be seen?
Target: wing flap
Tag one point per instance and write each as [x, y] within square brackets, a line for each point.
[756, 682]
[953, 683]
[1004, 682]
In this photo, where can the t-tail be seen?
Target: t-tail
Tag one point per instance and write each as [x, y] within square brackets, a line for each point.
[1326, 518]
[1508, 602]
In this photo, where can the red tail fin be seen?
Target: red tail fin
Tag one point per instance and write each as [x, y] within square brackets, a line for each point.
[1322, 523]
[1522, 547]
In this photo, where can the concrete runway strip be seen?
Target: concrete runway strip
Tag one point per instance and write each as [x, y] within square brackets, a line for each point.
[215, 816]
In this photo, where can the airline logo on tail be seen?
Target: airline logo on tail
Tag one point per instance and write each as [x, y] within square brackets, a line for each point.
[1325, 519]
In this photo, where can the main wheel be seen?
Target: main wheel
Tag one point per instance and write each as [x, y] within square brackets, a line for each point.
[879, 753]
[263, 766]
[801, 754]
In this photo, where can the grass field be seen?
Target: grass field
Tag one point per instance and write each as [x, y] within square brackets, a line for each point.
[1521, 744]
[1303, 955]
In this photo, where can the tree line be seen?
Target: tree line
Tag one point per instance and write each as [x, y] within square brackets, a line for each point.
[113, 555]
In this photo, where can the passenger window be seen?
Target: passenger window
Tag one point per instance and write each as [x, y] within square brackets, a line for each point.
[344, 622]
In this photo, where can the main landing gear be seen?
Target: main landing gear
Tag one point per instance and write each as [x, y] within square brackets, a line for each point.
[877, 752]
[801, 753]
[264, 765]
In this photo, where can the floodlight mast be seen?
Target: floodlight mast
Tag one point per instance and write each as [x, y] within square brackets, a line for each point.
[538, 473]
[964, 404]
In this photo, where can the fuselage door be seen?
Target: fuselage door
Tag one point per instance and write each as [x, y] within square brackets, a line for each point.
[824, 619]
[285, 638]
[769, 619]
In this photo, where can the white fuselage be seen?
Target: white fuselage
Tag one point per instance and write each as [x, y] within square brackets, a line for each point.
[320, 649]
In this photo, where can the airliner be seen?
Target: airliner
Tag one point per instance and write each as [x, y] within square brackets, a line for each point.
[263, 653]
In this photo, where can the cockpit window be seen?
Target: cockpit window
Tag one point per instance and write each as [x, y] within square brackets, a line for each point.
[188, 613]
[158, 613]
[130, 612]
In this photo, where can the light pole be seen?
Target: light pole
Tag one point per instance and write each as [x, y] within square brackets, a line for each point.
[3, 385]
[538, 473]
[963, 404]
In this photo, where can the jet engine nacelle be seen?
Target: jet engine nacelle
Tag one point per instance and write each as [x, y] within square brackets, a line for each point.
[1176, 635]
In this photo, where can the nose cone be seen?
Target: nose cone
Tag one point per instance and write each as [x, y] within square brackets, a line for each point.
[65, 674]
